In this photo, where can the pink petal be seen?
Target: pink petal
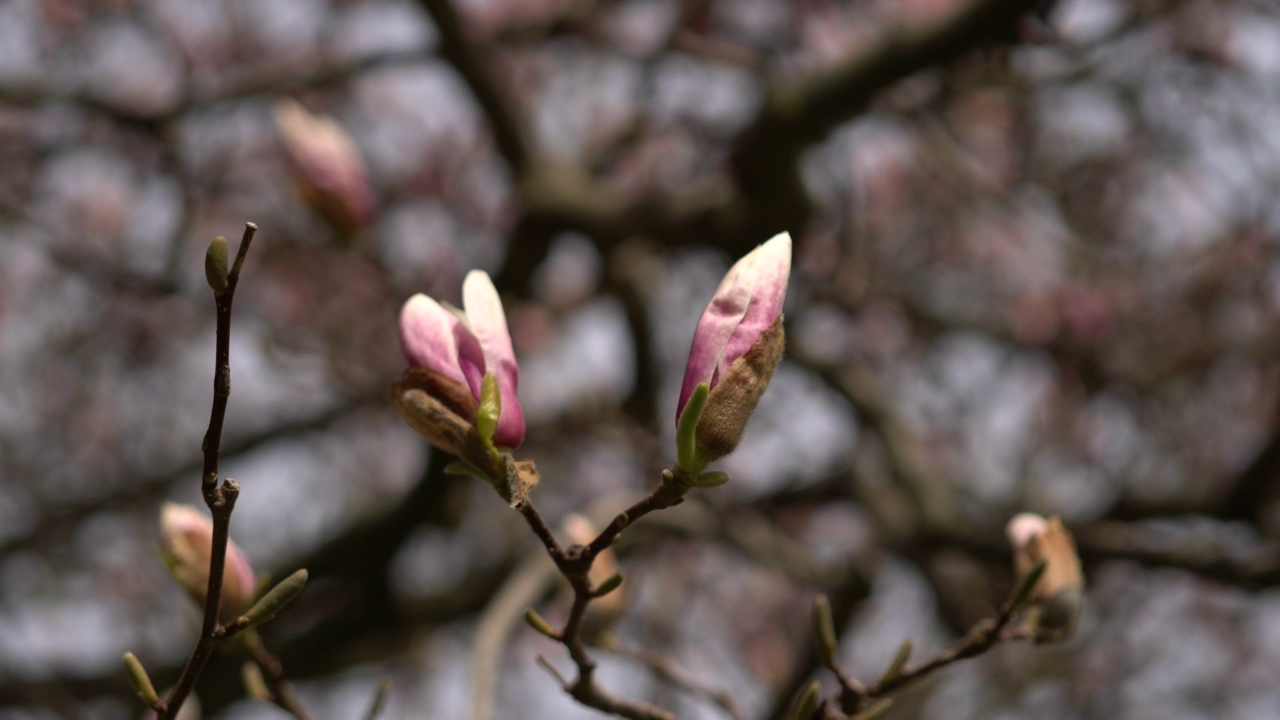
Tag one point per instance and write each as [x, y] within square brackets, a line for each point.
[238, 565]
[489, 322]
[178, 520]
[771, 268]
[431, 336]
[1024, 528]
[747, 302]
[470, 353]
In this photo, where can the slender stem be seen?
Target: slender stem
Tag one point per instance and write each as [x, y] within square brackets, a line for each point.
[212, 444]
[669, 493]
[220, 498]
[574, 563]
[983, 636]
[542, 530]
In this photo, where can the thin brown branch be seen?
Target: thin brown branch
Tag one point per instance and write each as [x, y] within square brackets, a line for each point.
[574, 563]
[669, 493]
[220, 498]
[856, 696]
[542, 530]
[982, 637]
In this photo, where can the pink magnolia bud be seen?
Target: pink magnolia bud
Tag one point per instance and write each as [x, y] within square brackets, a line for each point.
[328, 168]
[458, 349]
[187, 534]
[737, 345]
[1056, 600]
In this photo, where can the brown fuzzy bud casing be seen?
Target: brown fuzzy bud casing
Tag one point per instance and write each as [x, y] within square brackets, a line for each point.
[734, 398]
[440, 410]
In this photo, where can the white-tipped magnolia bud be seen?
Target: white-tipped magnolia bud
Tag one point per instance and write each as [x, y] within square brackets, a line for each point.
[736, 347]
[451, 353]
[327, 167]
[1054, 604]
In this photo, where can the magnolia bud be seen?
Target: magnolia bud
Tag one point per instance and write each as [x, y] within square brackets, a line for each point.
[731, 402]
[1053, 604]
[327, 167]
[187, 534]
[736, 347]
[215, 265]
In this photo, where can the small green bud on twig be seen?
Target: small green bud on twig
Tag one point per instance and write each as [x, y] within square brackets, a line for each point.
[687, 457]
[140, 681]
[713, 478]
[899, 662]
[276, 598]
[875, 712]
[539, 623]
[609, 584]
[808, 701]
[826, 630]
[215, 265]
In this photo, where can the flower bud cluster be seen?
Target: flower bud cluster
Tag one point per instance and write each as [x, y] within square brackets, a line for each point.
[459, 391]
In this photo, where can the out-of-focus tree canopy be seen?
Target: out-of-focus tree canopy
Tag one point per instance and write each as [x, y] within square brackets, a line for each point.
[1037, 268]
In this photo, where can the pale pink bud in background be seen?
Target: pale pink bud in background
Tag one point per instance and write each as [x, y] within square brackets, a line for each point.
[738, 344]
[462, 347]
[328, 169]
[187, 534]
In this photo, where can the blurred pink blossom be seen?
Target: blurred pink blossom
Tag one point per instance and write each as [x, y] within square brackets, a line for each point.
[328, 168]
[187, 534]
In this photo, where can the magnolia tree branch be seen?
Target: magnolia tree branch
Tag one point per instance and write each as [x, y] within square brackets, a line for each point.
[220, 498]
[869, 700]
[574, 563]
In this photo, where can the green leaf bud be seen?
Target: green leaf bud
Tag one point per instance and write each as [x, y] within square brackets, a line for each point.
[276, 598]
